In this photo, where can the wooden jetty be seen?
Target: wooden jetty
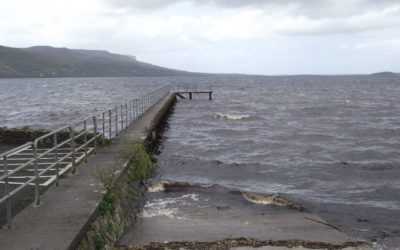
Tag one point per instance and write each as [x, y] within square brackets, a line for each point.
[185, 89]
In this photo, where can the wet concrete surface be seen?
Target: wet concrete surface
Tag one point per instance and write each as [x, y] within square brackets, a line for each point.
[195, 213]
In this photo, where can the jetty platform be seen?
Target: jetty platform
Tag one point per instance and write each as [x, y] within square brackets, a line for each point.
[190, 90]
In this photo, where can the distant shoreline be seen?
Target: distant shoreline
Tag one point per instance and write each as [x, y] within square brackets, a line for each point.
[50, 62]
[395, 75]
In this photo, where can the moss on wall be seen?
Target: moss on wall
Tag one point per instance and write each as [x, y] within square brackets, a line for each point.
[122, 201]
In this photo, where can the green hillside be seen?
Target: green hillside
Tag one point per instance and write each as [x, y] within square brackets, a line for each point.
[45, 61]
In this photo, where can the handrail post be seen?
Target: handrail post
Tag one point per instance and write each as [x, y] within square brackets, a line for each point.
[72, 137]
[133, 110]
[7, 192]
[126, 115]
[85, 139]
[110, 124]
[103, 124]
[55, 144]
[130, 111]
[95, 134]
[141, 105]
[37, 187]
[137, 107]
[122, 117]
[116, 120]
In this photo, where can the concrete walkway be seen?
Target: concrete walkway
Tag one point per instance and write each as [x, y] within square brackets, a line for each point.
[65, 211]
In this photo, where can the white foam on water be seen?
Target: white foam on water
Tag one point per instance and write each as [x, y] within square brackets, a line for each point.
[157, 186]
[231, 116]
[148, 213]
[167, 207]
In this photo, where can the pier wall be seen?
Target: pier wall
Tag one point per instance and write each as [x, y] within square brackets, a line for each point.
[125, 197]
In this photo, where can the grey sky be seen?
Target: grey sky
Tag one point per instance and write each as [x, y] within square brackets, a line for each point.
[228, 36]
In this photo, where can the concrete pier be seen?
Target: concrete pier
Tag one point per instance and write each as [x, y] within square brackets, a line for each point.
[65, 211]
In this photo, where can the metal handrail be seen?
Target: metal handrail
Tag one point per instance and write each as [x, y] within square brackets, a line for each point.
[107, 124]
[16, 150]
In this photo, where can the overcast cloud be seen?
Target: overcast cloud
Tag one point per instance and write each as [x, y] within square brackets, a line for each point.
[230, 36]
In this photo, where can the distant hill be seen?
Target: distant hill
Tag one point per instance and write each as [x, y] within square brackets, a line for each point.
[45, 61]
[385, 74]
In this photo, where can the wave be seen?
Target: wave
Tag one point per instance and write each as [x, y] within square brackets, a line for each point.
[165, 185]
[231, 116]
[255, 198]
[270, 199]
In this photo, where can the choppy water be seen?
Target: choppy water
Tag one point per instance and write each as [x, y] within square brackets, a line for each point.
[329, 143]
[51, 103]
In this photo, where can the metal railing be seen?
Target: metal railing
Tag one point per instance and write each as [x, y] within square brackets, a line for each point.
[43, 161]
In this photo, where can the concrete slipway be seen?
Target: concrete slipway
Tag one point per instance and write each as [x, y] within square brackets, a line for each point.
[199, 213]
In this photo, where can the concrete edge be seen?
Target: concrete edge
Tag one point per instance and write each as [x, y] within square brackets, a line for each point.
[161, 116]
